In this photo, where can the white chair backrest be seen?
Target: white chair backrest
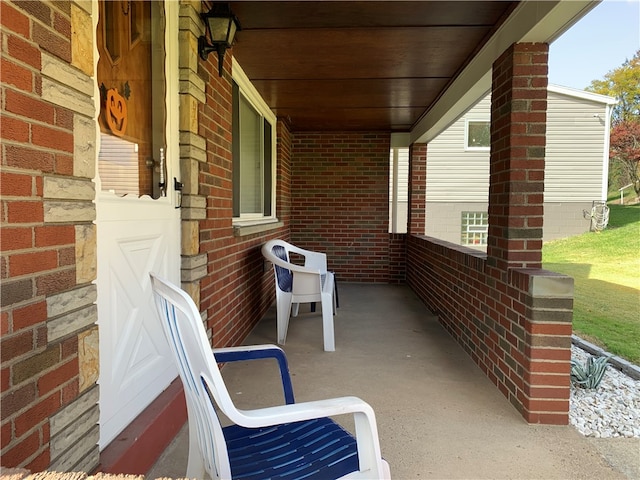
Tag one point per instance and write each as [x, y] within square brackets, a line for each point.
[284, 276]
[198, 369]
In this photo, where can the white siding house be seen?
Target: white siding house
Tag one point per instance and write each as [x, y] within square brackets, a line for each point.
[576, 168]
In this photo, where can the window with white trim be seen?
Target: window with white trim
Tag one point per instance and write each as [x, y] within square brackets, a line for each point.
[475, 227]
[253, 147]
[477, 135]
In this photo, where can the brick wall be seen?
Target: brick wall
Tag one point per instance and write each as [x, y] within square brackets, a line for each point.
[518, 331]
[340, 201]
[397, 257]
[514, 322]
[48, 238]
[283, 175]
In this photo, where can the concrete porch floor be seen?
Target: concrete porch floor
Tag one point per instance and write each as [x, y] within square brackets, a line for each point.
[438, 416]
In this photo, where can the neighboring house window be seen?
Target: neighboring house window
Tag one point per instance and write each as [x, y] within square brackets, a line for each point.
[475, 226]
[253, 153]
[477, 135]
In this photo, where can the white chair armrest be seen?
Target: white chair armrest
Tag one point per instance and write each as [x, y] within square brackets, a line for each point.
[316, 261]
[262, 417]
[247, 348]
[292, 266]
[312, 260]
[365, 422]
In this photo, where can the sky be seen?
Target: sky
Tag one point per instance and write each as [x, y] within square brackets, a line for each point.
[598, 43]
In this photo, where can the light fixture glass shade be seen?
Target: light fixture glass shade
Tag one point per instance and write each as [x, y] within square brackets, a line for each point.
[222, 29]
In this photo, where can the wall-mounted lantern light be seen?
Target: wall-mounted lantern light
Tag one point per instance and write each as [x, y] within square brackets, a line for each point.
[220, 28]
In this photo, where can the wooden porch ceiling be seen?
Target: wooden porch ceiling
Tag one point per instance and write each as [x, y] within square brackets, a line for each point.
[361, 65]
[398, 66]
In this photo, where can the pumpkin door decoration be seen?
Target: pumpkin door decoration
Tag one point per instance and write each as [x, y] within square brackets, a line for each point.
[115, 112]
[114, 108]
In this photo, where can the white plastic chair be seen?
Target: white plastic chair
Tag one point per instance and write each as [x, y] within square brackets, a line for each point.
[291, 441]
[296, 284]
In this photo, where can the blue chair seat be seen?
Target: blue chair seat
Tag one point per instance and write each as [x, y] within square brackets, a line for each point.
[312, 449]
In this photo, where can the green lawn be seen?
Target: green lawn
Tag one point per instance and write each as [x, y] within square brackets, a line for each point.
[606, 270]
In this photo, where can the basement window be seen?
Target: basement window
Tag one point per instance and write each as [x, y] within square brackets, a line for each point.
[475, 227]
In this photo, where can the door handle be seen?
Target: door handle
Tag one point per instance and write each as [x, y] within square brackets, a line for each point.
[177, 186]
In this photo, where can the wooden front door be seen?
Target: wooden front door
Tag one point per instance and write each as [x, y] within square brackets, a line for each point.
[138, 224]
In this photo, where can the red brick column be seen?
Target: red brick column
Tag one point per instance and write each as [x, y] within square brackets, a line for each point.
[416, 220]
[518, 136]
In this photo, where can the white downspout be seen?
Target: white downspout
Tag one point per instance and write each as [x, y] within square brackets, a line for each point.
[605, 154]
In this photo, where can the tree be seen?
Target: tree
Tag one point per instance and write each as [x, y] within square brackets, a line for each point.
[625, 151]
[622, 83]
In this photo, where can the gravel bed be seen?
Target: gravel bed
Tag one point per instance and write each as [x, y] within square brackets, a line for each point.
[611, 410]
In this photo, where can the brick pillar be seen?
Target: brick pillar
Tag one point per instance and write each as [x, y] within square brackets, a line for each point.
[417, 189]
[544, 387]
[518, 136]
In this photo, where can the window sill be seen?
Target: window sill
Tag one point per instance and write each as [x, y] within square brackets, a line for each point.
[477, 149]
[242, 230]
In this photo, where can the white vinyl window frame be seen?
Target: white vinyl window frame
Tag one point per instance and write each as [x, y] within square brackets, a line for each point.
[255, 100]
[467, 123]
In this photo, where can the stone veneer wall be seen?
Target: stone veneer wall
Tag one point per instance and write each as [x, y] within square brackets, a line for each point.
[222, 267]
[49, 337]
[193, 148]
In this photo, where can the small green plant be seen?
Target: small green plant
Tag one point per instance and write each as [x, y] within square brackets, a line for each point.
[591, 373]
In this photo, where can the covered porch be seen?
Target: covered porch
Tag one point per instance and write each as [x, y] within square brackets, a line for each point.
[331, 87]
[438, 415]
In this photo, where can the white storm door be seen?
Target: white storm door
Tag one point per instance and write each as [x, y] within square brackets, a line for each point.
[138, 224]
[136, 236]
